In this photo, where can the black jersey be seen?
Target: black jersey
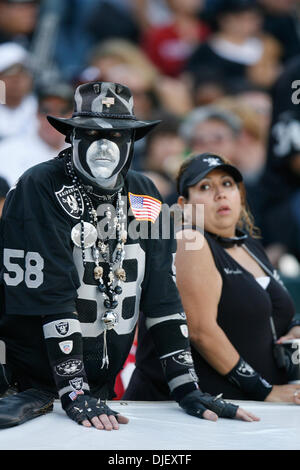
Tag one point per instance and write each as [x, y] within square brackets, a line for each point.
[205, 57]
[43, 274]
[243, 314]
[279, 180]
[279, 185]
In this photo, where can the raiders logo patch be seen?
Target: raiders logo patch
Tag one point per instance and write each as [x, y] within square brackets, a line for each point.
[76, 383]
[70, 367]
[184, 358]
[68, 197]
[245, 370]
[62, 328]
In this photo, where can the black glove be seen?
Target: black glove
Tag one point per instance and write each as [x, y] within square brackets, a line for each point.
[87, 407]
[196, 402]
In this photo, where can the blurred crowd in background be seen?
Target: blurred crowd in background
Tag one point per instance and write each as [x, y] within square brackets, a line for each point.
[223, 75]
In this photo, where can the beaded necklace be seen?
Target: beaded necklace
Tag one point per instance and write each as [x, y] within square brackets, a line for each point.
[86, 235]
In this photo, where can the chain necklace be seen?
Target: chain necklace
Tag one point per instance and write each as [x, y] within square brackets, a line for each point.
[90, 237]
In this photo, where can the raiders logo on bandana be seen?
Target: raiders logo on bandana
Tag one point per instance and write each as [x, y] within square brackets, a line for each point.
[62, 328]
[70, 367]
[76, 383]
[67, 196]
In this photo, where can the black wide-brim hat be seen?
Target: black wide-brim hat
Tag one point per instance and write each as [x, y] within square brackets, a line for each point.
[103, 106]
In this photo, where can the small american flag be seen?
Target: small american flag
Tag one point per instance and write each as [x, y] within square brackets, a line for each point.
[73, 395]
[144, 207]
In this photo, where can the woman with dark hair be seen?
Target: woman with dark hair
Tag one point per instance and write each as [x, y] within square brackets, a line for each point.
[231, 294]
[236, 306]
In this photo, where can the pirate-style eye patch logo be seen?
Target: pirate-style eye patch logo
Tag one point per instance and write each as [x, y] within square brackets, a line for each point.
[68, 197]
[62, 328]
[183, 358]
[212, 161]
[76, 383]
[245, 370]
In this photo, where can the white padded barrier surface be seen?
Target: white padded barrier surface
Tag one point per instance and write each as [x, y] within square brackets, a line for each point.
[161, 426]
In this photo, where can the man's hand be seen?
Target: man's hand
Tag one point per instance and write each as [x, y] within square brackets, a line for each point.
[90, 411]
[198, 404]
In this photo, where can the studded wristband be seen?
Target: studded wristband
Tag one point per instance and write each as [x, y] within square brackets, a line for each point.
[249, 381]
[293, 324]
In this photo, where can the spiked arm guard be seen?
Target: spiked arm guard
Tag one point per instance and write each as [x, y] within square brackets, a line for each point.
[64, 345]
[249, 381]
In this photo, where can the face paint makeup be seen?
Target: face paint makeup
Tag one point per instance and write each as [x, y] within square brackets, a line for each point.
[100, 156]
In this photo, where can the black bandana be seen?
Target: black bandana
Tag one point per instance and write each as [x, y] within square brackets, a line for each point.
[239, 239]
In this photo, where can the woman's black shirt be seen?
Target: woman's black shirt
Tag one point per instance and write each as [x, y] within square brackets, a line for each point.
[244, 312]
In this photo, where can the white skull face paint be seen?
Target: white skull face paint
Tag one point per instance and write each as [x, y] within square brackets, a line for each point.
[102, 157]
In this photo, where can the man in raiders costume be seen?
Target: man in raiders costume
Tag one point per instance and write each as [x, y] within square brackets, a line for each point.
[73, 277]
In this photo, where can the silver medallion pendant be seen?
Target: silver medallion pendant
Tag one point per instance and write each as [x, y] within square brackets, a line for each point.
[110, 319]
[88, 238]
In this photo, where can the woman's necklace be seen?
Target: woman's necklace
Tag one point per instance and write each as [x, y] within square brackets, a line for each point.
[229, 242]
